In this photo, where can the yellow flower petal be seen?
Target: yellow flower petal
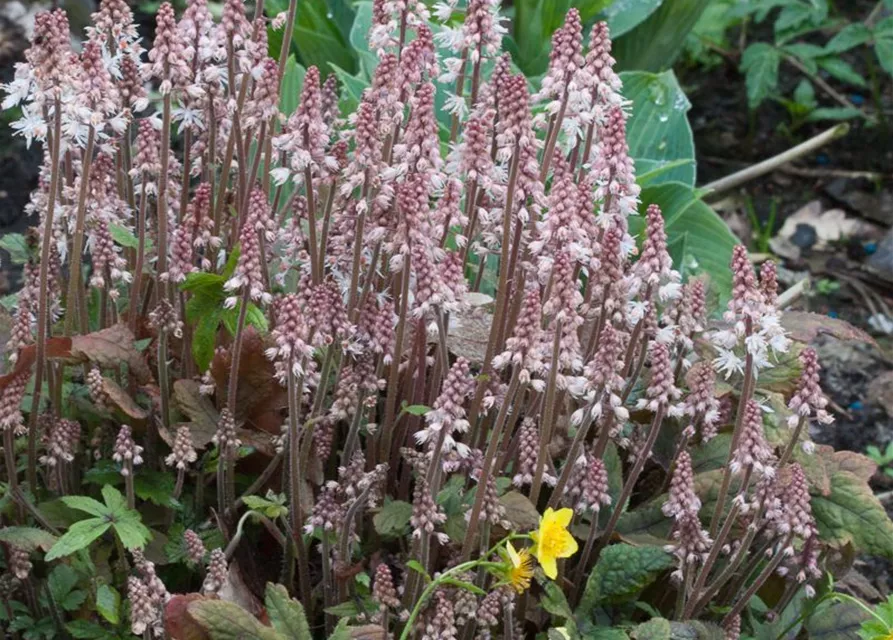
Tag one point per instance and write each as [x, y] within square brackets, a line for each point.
[553, 541]
[520, 568]
[514, 556]
[562, 517]
[550, 567]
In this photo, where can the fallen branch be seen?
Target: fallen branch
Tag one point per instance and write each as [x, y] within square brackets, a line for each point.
[789, 296]
[803, 172]
[762, 168]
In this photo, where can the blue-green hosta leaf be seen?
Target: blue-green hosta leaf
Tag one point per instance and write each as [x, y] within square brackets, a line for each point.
[654, 44]
[700, 241]
[623, 16]
[319, 40]
[532, 27]
[836, 621]
[79, 536]
[292, 83]
[352, 88]
[358, 38]
[659, 136]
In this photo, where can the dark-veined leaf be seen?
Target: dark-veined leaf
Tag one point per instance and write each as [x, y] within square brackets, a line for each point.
[286, 613]
[622, 571]
[27, 538]
[228, 621]
[851, 513]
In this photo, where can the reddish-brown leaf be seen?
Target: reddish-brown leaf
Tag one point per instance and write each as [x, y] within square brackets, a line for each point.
[860, 466]
[179, 623]
[805, 326]
[110, 348]
[258, 390]
[121, 399]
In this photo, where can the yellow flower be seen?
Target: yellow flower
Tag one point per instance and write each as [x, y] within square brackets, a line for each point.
[553, 540]
[519, 569]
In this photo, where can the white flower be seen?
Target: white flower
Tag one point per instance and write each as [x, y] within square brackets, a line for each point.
[280, 175]
[30, 126]
[443, 11]
[279, 21]
[728, 363]
[456, 106]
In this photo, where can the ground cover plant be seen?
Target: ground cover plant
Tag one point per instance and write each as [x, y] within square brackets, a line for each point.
[298, 357]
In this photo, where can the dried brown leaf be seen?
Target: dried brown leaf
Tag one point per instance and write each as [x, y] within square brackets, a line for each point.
[198, 408]
[201, 433]
[110, 348]
[121, 399]
[368, 632]
[805, 326]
